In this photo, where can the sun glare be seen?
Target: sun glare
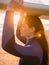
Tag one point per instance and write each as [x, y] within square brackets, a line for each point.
[16, 19]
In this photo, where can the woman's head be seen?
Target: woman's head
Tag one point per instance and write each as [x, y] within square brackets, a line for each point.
[31, 26]
[26, 31]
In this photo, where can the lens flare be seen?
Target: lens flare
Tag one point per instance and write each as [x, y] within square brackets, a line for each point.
[38, 34]
[25, 14]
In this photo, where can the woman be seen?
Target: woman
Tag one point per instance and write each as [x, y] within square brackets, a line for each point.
[34, 52]
[33, 22]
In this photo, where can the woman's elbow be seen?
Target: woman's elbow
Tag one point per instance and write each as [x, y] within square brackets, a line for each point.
[3, 42]
[3, 47]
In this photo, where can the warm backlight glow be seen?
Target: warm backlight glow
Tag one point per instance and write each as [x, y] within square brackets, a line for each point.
[16, 19]
[39, 35]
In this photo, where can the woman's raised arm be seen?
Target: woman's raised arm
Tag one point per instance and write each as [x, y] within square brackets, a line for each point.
[8, 28]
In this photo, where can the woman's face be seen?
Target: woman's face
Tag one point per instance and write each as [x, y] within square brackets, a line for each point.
[27, 32]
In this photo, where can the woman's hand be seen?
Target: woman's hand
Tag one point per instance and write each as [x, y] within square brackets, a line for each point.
[15, 4]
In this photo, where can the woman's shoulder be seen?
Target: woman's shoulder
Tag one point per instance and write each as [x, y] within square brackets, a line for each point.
[35, 44]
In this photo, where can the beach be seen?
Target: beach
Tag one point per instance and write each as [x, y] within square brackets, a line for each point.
[6, 58]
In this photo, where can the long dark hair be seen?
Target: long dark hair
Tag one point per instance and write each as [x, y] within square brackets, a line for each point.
[36, 22]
